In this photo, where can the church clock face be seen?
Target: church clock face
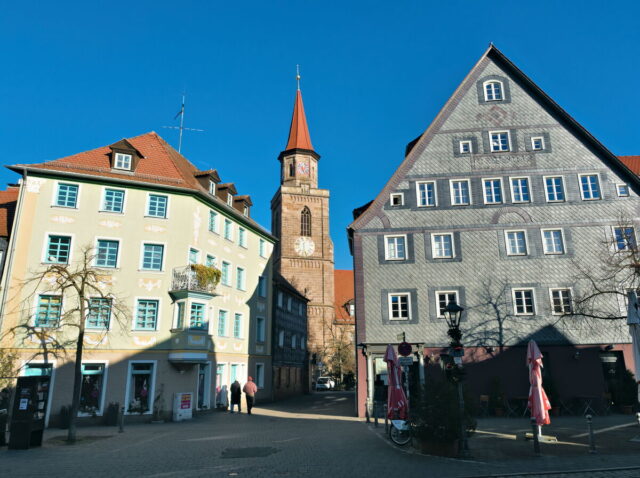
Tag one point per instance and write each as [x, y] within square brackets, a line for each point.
[303, 169]
[304, 246]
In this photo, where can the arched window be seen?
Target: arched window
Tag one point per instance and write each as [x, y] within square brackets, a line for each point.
[493, 91]
[305, 222]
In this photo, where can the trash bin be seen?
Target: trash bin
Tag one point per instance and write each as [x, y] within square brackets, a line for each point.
[29, 409]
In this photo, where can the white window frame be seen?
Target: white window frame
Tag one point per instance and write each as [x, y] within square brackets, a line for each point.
[597, 175]
[122, 158]
[484, 90]
[506, 242]
[513, 198]
[484, 190]
[206, 402]
[620, 194]
[243, 243]
[533, 143]
[546, 192]
[386, 247]
[164, 257]
[439, 312]
[260, 378]
[45, 246]
[544, 242]
[533, 300]
[230, 199]
[262, 248]
[216, 229]
[176, 309]
[212, 187]
[103, 238]
[226, 325]
[435, 193]
[146, 211]
[36, 302]
[396, 195]
[222, 262]
[614, 241]
[134, 315]
[509, 146]
[389, 305]
[224, 229]
[245, 211]
[433, 245]
[103, 196]
[103, 393]
[452, 192]
[551, 290]
[191, 248]
[54, 199]
[462, 144]
[94, 329]
[243, 282]
[151, 392]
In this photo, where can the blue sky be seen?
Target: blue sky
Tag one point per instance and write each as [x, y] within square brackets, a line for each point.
[78, 75]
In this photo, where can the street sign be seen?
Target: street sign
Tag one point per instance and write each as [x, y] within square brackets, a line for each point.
[404, 349]
[405, 361]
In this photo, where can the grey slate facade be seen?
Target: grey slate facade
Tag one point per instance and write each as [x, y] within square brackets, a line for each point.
[480, 265]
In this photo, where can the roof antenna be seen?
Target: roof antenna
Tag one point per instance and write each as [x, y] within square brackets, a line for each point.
[181, 128]
[298, 76]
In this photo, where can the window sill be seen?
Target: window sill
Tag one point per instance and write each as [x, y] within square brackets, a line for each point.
[591, 199]
[154, 217]
[68, 208]
[144, 330]
[152, 270]
[120, 213]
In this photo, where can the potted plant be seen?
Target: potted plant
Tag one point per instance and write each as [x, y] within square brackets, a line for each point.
[208, 277]
[496, 397]
[435, 419]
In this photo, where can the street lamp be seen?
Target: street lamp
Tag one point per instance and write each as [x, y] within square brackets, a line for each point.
[452, 314]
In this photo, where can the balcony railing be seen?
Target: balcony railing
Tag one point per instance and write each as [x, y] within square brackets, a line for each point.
[186, 279]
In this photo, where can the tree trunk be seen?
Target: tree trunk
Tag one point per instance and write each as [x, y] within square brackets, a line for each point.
[77, 379]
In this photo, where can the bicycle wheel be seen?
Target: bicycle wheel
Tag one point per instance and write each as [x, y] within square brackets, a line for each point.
[399, 437]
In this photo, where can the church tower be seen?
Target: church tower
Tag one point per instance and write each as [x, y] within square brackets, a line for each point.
[300, 220]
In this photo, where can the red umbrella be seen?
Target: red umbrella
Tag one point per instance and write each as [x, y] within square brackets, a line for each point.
[397, 406]
[538, 401]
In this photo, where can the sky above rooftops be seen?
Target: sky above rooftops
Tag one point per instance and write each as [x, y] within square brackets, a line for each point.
[79, 75]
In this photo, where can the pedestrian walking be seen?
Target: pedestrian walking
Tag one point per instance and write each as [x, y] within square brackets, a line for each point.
[236, 395]
[250, 389]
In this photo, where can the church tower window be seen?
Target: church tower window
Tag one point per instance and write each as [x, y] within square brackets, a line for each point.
[305, 222]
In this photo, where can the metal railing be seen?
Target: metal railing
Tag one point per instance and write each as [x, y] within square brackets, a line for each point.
[185, 278]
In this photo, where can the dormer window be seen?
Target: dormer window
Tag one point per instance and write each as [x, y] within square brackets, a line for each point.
[123, 161]
[465, 147]
[246, 211]
[212, 188]
[493, 91]
[537, 143]
[230, 200]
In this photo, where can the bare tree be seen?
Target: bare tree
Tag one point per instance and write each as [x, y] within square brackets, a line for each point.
[86, 293]
[339, 355]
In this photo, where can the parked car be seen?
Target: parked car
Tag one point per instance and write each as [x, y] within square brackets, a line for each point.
[325, 383]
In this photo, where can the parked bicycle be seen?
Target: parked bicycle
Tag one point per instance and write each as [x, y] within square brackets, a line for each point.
[400, 432]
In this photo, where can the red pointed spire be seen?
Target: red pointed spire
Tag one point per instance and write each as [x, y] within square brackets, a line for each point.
[299, 133]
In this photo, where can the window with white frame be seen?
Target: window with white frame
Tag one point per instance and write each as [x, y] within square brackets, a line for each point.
[537, 143]
[262, 248]
[396, 199]
[395, 248]
[442, 246]
[222, 323]
[67, 195]
[228, 230]
[466, 147]
[493, 90]
[213, 221]
[523, 301]
[500, 141]
[589, 187]
[426, 193]
[552, 241]
[554, 188]
[58, 249]
[152, 257]
[141, 387]
[624, 238]
[260, 329]
[237, 326]
[179, 318]
[460, 192]
[49, 311]
[560, 301]
[194, 256]
[516, 242]
[245, 211]
[107, 253]
[242, 237]
[198, 316]
[262, 286]
[99, 313]
[240, 278]
[123, 161]
[622, 190]
[113, 200]
[210, 261]
[229, 199]
[157, 206]
[212, 188]
[520, 190]
[92, 388]
[443, 297]
[400, 306]
[226, 273]
[492, 189]
[260, 375]
[146, 314]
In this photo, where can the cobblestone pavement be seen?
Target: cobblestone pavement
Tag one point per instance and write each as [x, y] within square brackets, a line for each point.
[311, 436]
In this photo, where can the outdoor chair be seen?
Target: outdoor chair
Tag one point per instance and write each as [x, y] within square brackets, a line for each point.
[509, 409]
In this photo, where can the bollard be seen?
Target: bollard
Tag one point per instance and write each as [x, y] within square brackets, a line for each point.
[592, 440]
[536, 441]
[386, 419]
[121, 424]
[375, 413]
[638, 418]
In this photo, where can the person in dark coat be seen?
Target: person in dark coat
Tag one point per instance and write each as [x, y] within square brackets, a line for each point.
[236, 395]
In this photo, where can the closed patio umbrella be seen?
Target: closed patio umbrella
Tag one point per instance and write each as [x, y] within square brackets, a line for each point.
[633, 320]
[538, 401]
[397, 406]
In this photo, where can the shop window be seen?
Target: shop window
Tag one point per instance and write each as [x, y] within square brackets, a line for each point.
[92, 388]
[140, 388]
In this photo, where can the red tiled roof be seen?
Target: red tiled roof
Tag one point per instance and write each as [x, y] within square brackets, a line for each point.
[299, 131]
[8, 200]
[631, 162]
[343, 292]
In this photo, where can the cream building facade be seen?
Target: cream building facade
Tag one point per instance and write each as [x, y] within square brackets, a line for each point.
[149, 215]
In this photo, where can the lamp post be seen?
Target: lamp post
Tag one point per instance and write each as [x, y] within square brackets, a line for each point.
[452, 314]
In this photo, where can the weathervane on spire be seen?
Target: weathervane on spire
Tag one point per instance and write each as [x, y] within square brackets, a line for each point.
[298, 75]
[182, 127]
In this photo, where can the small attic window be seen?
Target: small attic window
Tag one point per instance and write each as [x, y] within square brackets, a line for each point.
[230, 199]
[537, 143]
[465, 147]
[212, 188]
[397, 199]
[123, 161]
[493, 91]
[246, 211]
